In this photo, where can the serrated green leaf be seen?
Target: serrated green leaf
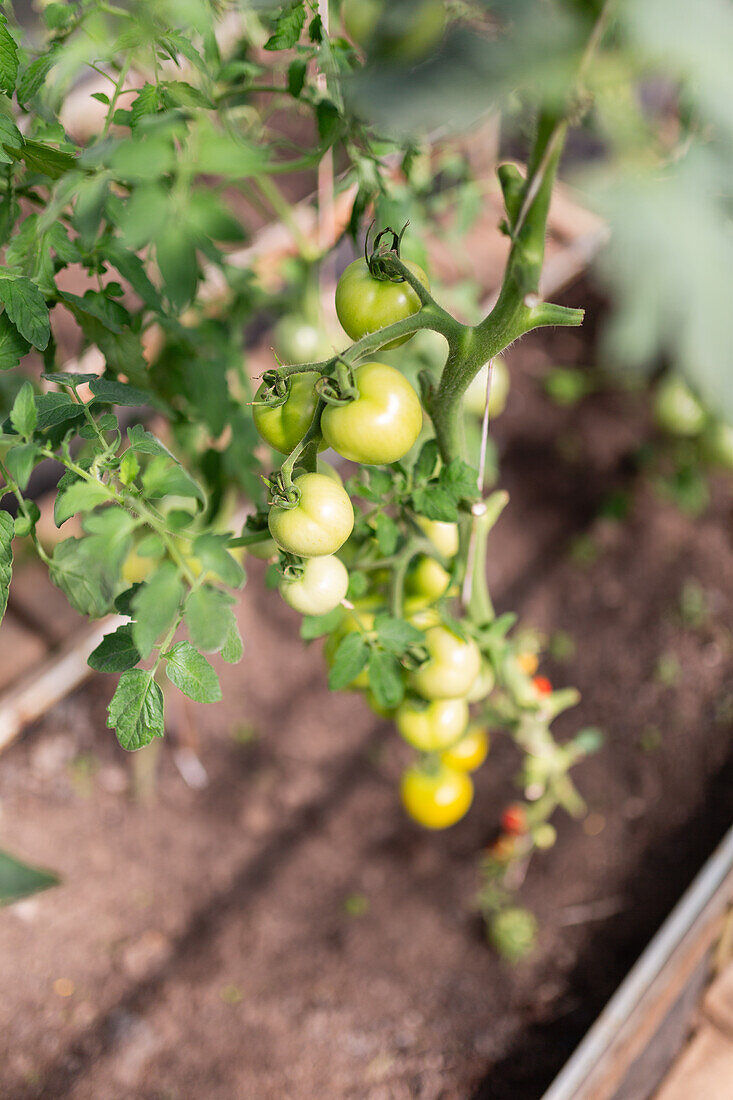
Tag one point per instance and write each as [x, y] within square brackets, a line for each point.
[135, 711]
[82, 496]
[435, 503]
[296, 77]
[155, 606]
[131, 268]
[175, 252]
[211, 551]
[45, 159]
[386, 680]
[81, 570]
[317, 626]
[233, 647]
[56, 408]
[119, 393]
[26, 307]
[426, 460]
[192, 674]
[21, 461]
[459, 479]
[8, 59]
[123, 602]
[116, 652]
[20, 880]
[7, 530]
[288, 27]
[163, 478]
[23, 415]
[10, 135]
[34, 76]
[208, 618]
[144, 442]
[388, 533]
[12, 345]
[110, 313]
[396, 635]
[63, 378]
[350, 658]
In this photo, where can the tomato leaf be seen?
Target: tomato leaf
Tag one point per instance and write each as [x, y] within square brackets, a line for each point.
[208, 618]
[317, 626]
[211, 551]
[13, 346]
[288, 27]
[8, 58]
[385, 679]
[119, 393]
[296, 77]
[21, 461]
[26, 307]
[20, 880]
[82, 570]
[155, 606]
[350, 658]
[82, 496]
[135, 711]
[388, 533]
[192, 674]
[233, 648]
[23, 415]
[116, 652]
[7, 530]
[397, 635]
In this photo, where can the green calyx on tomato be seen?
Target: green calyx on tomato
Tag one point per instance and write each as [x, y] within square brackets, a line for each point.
[365, 303]
[437, 797]
[320, 520]
[319, 587]
[283, 422]
[381, 424]
[434, 727]
[397, 30]
[451, 668]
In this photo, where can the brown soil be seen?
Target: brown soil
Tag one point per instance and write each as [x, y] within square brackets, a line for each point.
[285, 932]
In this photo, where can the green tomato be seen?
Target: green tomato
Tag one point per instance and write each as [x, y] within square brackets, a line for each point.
[381, 424]
[436, 798]
[483, 685]
[296, 340]
[283, 426]
[365, 304]
[433, 727]
[451, 668]
[319, 523]
[676, 409]
[264, 549]
[468, 754]
[404, 31]
[474, 399]
[718, 444]
[428, 578]
[444, 536]
[321, 586]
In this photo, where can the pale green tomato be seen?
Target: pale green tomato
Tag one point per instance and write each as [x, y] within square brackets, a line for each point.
[428, 578]
[418, 612]
[483, 685]
[544, 835]
[444, 536]
[451, 668]
[474, 400]
[319, 523]
[469, 753]
[366, 304]
[436, 798]
[676, 409]
[283, 426]
[321, 586]
[328, 470]
[381, 424]
[433, 727]
[296, 340]
[264, 549]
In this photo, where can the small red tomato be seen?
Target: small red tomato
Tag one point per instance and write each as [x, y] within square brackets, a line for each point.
[514, 819]
[542, 685]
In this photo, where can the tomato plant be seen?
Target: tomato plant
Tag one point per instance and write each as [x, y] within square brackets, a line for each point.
[367, 300]
[317, 518]
[283, 423]
[380, 423]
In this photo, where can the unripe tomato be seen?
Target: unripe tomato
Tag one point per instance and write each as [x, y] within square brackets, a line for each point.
[483, 685]
[136, 568]
[514, 819]
[328, 470]
[420, 615]
[469, 753]
[283, 426]
[444, 536]
[474, 399]
[263, 550]
[319, 523]
[405, 31]
[436, 798]
[718, 444]
[428, 578]
[376, 707]
[296, 340]
[676, 409]
[513, 932]
[528, 662]
[365, 304]
[381, 424]
[544, 835]
[321, 586]
[451, 668]
[433, 727]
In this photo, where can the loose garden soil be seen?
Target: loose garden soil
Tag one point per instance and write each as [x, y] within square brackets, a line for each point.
[285, 933]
